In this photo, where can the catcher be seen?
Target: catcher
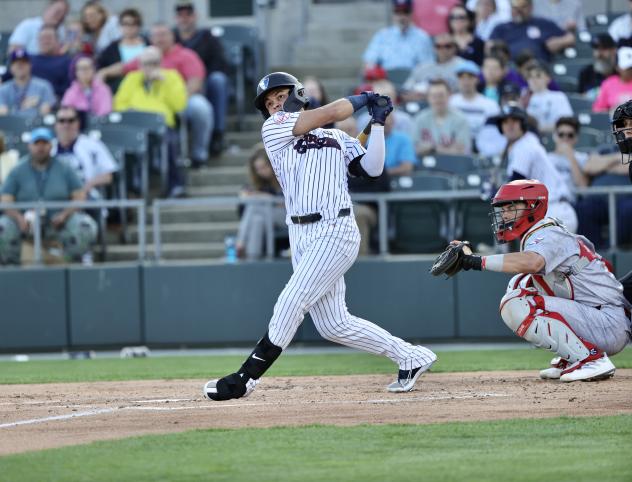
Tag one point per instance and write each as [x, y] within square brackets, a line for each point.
[563, 298]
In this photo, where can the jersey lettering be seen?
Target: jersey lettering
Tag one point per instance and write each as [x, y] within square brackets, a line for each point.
[310, 141]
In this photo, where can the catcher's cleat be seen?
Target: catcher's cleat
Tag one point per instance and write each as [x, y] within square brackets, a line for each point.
[229, 387]
[558, 365]
[590, 369]
[406, 378]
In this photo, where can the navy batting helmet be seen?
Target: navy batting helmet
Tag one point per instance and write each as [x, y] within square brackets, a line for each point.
[619, 129]
[296, 99]
[511, 110]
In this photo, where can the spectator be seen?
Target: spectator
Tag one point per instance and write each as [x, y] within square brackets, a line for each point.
[494, 72]
[8, 159]
[545, 106]
[440, 129]
[24, 94]
[199, 112]
[616, 89]
[567, 161]
[621, 27]
[403, 120]
[432, 15]
[567, 14]
[90, 158]
[525, 32]
[99, 28]
[25, 35]
[527, 159]
[88, 93]
[155, 89]
[211, 51]
[399, 158]
[488, 15]
[50, 64]
[400, 46]
[251, 236]
[416, 86]
[42, 177]
[603, 66]
[131, 44]
[461, 26]
[72, 44]
[473, 105]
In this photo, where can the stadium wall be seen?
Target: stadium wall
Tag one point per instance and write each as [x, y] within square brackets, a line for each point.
[213, 305]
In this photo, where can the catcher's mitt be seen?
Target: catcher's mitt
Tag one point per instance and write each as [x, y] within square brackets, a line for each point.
[450, 262]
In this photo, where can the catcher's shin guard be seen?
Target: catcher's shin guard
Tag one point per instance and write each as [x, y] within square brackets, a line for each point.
[244, 381]
[524, 312]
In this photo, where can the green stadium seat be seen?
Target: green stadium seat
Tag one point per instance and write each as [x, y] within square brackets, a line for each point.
[447, 163]
[580, 104]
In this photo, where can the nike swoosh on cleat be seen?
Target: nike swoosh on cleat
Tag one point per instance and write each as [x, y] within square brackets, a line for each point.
[257, 358]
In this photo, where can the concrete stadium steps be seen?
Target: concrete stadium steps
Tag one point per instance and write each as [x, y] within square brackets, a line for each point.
[189, 233]
[202, 214]
[218, 175]
[170, 251]
[220, 190]
[249, 122]
[244, 139]
[233, 157]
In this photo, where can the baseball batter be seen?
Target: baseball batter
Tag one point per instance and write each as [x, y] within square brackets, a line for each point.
[312, 165]
[564, 297]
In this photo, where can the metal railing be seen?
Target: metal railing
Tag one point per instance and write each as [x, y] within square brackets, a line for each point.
[39, 206]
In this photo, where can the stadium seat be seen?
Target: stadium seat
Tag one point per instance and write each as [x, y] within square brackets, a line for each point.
[595, 120]
[580, 104]
[18, 124]
[447, 163]
[234, 51]
[420, 226]
[4, 46]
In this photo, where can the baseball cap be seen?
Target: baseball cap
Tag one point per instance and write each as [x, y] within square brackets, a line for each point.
[603, 40]
[402, 6]
[184, 5]
[41, 134]
[510, 89]
[624, 57]
[468, 67]
[19, 54]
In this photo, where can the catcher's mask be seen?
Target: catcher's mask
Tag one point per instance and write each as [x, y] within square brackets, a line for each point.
[619, 130]
[296, 99]
[509, 221]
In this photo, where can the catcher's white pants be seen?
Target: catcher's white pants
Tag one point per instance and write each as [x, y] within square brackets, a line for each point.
[321, 254]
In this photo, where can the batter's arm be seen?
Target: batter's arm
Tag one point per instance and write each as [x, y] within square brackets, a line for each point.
[309, 120]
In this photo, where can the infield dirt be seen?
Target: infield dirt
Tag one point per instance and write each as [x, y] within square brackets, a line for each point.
[34, 417]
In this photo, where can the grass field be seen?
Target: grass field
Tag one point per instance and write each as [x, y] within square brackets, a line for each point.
[559, 449]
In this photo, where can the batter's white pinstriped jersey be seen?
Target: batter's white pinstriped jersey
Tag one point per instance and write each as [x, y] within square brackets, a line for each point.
[312, 169]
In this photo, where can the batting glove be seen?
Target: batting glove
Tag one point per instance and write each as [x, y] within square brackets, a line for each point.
[380, 108]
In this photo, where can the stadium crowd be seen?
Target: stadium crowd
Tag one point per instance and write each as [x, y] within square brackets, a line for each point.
[503, 80]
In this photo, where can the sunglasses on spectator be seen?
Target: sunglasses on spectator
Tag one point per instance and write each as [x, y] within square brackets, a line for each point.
[151, 63]
[129, 24]
[565, 135]
[66, 120]
[458, 16]
[444, 46]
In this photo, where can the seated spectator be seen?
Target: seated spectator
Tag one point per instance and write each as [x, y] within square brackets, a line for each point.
[569, 162]
[199, 112]
[50, 64]
[251, 236]
[131, 44]
[494, 73]
[488, 15]
[400, 46]
[416, 86]
[440, 129]
[603, 65]
[24, 94]
[616, 89]
[99, 28]
[25, 35]
[527, 159]
[42, 177]
[399, 157]
[567, 14]
[461, 26]
[88, 93]
[8, 159]
[432, 15]
[621, 27]
[545, 106]
[72, 43]
[210, 50]
[525, 32]
[473, 105]
[155, 89]
[403, 120]
[90, 158]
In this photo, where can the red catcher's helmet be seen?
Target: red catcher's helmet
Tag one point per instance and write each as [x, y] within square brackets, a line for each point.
[529, 191]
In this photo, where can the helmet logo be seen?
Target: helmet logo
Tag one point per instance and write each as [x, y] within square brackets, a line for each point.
[263, 84]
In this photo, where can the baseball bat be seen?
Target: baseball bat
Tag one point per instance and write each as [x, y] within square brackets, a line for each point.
[364, 135]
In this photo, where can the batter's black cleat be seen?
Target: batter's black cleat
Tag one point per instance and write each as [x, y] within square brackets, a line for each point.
[230, 387]
[406, 378]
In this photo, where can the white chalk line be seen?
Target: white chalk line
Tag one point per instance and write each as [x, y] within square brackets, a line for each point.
[215, 405]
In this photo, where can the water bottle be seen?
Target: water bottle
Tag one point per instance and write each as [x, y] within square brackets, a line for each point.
[231, 249]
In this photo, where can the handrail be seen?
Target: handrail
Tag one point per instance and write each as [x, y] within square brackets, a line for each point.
[138, 204]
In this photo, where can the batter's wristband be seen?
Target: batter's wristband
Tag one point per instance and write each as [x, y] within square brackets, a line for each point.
[358, 101]
[472, 262]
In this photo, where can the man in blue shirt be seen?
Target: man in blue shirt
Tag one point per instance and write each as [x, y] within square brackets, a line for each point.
[526, 32]
[400, 46]
[50, 64]
[400, 156]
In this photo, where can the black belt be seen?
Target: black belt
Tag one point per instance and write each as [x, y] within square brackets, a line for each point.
[312, 218]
